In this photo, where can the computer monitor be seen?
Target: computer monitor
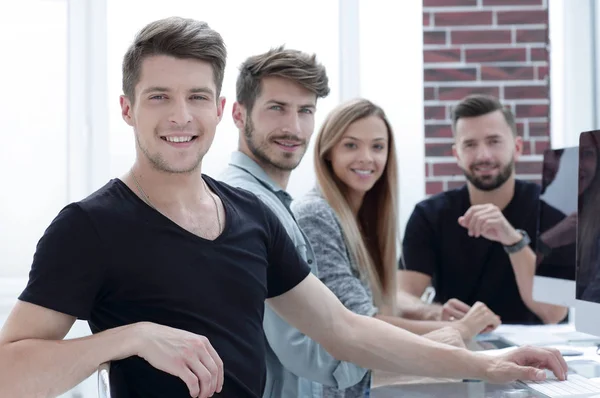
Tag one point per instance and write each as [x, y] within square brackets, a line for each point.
[587, 307]
[554, 280]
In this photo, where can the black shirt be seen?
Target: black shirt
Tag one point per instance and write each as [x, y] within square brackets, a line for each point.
[113, 260]
[466, 268]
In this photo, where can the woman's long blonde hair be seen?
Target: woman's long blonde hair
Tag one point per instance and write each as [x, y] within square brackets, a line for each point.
[372, 239]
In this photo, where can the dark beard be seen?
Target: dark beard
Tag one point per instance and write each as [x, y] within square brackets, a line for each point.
[260, 154]
[490, 184]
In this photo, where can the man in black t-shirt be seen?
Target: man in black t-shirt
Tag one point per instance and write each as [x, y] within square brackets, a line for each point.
[171, 269]
[473, 243]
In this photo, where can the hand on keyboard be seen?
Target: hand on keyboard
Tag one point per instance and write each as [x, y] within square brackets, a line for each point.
[576, 386]
[527, 363]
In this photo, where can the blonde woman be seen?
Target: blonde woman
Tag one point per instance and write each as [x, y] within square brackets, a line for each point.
[351, 222]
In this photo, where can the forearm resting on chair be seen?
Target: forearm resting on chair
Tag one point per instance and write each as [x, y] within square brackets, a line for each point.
[48, 368]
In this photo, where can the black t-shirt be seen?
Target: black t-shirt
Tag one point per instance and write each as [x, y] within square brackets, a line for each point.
[466, 268]
[113, 260]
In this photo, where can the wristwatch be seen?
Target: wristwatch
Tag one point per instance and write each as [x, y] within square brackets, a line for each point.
[525, 240]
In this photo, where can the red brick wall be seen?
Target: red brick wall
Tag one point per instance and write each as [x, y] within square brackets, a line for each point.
[496, 47]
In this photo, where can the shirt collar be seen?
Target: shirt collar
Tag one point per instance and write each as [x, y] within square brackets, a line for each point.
[244, 162]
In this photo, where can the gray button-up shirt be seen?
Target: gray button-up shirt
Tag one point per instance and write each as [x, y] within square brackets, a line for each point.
[297, 366]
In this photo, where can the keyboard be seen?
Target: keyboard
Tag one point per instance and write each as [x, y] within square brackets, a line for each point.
[574, 387]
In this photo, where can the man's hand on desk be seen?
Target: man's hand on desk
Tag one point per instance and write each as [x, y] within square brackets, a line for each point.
[526, 363]
[454, 310]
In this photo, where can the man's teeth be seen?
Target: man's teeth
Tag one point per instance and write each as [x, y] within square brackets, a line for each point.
[178, 139]
[286, 144]
[363, 172]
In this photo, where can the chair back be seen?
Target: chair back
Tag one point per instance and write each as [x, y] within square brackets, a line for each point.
[104, 380]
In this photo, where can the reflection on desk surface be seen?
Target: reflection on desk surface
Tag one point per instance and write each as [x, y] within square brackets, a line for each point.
[454, 390]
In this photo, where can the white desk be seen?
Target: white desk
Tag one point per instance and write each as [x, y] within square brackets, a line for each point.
[542, 334]
[386, 385]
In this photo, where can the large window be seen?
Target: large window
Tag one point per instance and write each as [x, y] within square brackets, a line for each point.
[248, 28]
[33, 153]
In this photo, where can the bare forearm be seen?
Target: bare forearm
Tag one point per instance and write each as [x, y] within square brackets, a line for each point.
[43, 368]
[377, 345]
[412, 307]
[523, 264]
[413, 326]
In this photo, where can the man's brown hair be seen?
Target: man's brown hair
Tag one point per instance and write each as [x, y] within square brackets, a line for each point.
[479, 105]
[297, 66]
[176, 37]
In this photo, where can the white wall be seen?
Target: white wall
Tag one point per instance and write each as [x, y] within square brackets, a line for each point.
[573, 70]
[33, 105]
[391, 74]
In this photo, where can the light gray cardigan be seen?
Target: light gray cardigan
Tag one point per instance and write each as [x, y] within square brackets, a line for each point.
[336, 269]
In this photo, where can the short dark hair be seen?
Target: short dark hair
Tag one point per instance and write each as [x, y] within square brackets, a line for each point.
[297, 66]
[478, 105]
[176, 37]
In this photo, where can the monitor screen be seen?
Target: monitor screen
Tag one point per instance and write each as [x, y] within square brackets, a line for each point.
[556, 248]
[588, 235]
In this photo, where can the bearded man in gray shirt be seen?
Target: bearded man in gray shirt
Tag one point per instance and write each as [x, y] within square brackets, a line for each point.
[277, 94]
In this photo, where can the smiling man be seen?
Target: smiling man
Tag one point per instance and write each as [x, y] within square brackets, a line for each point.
[277, 95]
[474, 242]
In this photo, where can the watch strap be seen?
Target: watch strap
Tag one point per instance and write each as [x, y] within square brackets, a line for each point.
[525, 241]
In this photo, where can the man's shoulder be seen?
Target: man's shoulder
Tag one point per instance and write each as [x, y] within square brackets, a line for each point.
[241, 179]
[244, 182]
[239, 194]
[106, 199]
[84, 214]
[235, 176]
[525, 203]
[311, 203]
[527, 189]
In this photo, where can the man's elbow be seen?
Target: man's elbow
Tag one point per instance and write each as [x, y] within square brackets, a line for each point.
[554, 314]
[320, 366]
[343, 336]
[548, 313]
[11, 383]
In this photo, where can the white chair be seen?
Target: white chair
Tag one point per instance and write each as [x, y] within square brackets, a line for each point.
[104, 380]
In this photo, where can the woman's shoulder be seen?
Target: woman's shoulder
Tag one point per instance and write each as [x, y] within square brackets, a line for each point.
[311, 203]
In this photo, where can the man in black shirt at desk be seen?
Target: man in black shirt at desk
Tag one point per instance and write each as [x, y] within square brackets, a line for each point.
[171, 268]
[473, 243]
